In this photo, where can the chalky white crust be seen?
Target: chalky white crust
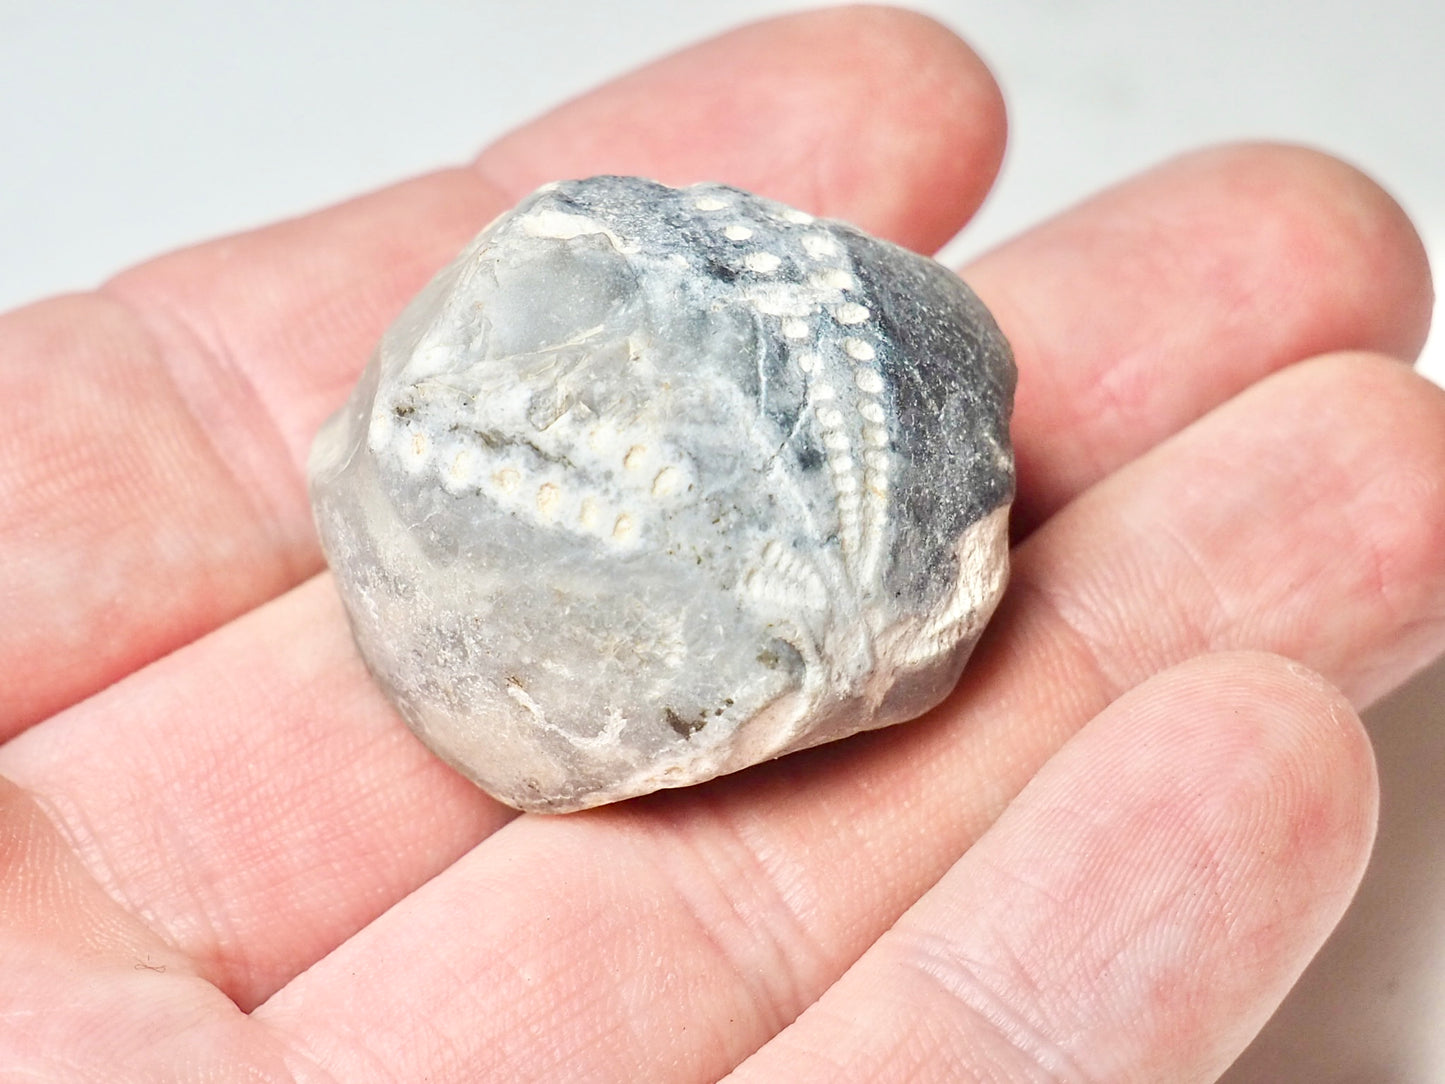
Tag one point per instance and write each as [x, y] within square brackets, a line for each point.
[651, 484]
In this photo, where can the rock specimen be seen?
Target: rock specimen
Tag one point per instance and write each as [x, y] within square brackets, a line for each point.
[652, 484]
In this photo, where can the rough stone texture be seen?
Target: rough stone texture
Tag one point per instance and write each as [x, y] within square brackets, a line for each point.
[653, 484]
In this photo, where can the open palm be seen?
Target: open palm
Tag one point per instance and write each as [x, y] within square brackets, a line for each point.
[1105, 857]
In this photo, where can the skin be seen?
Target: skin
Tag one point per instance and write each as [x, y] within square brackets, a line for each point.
[1105, 858]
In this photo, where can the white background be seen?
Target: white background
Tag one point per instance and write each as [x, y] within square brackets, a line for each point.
[129, 128]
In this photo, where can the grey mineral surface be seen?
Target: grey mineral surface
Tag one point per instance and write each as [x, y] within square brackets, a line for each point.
[652, 484]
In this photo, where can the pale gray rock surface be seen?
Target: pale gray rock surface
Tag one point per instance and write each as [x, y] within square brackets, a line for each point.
[652, 484]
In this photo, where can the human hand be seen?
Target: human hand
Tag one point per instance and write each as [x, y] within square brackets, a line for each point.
[1106, 857]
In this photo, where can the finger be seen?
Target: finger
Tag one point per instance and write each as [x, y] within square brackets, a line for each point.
[152, 487]
[1268, 524]
[91, 992]
[1136, 914]
[1143, 308]
[915, 98]
[50, 906]
[1349, 414]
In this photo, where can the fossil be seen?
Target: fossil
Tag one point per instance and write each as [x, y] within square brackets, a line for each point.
[651, 484]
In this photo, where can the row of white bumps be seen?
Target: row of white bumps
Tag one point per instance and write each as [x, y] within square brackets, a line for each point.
[862, 493]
